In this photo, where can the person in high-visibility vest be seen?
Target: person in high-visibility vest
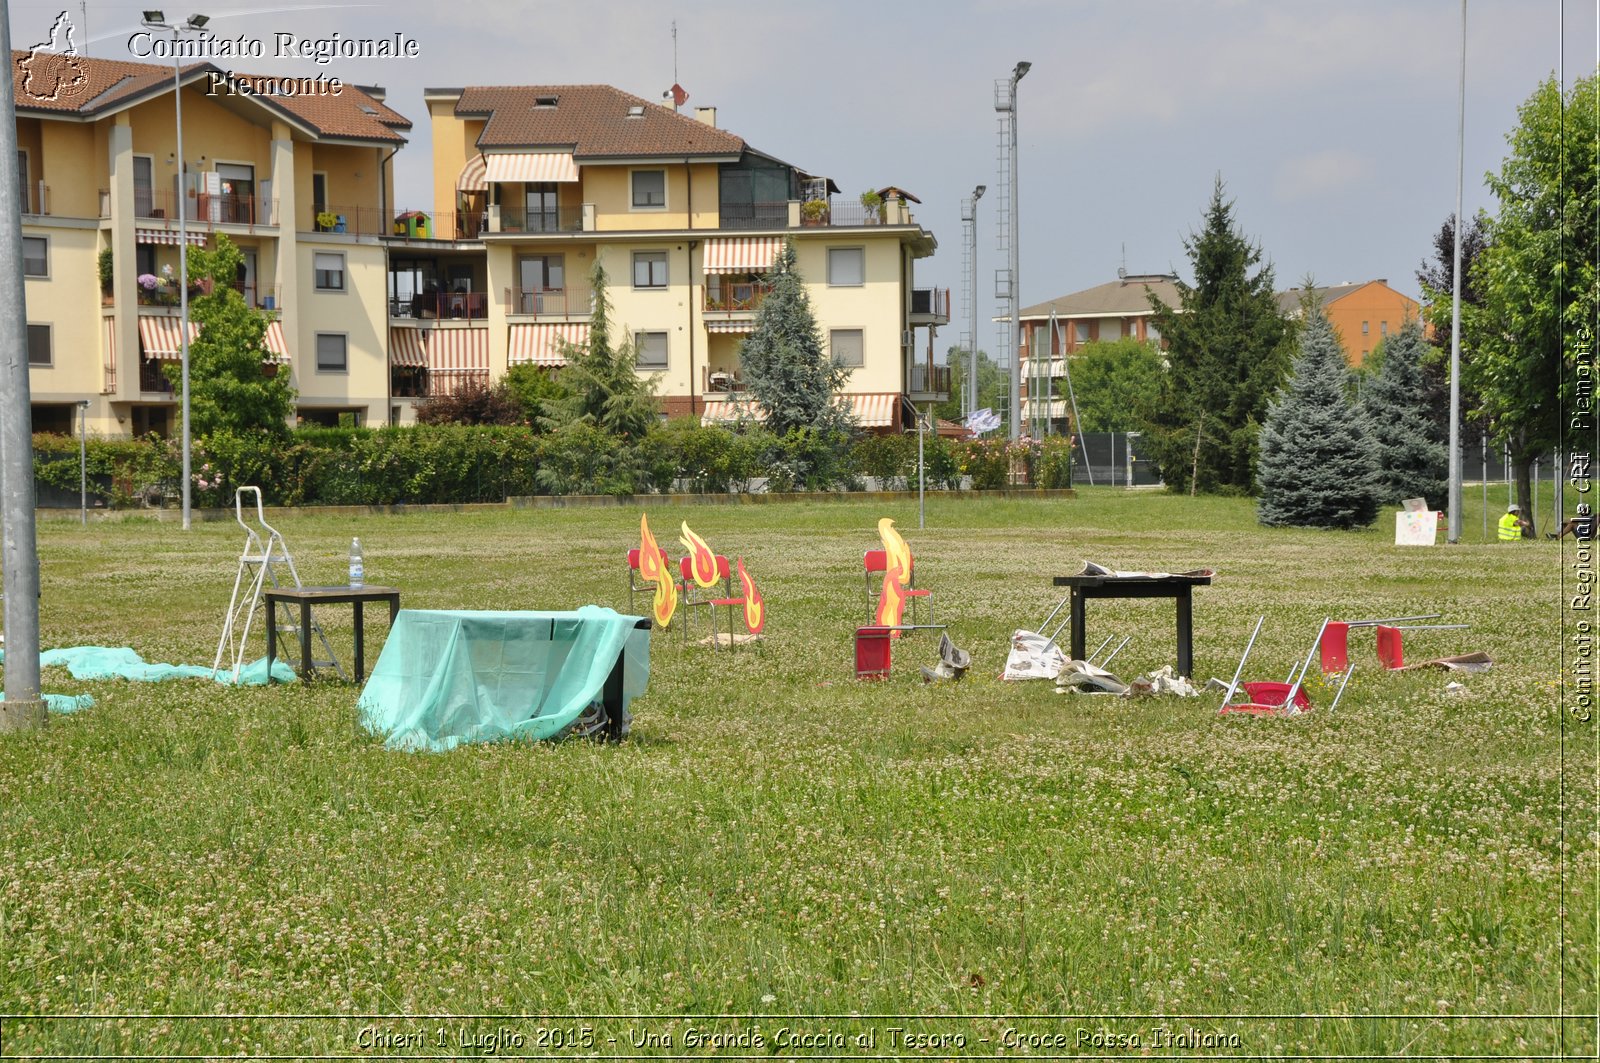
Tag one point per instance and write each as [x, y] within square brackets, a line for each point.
[1512, 524]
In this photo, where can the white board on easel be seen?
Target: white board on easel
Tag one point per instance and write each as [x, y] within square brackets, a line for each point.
[1416, 528]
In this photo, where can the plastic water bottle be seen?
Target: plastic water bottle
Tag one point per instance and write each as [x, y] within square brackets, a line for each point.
[358, 573]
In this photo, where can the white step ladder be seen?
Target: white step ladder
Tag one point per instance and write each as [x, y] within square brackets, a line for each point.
[258, 563]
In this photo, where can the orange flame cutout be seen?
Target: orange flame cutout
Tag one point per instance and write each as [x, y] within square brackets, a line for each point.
[896, 552]
[666, 602]
[702, 562]
[755, 609]
[892, 602]
[651, 569]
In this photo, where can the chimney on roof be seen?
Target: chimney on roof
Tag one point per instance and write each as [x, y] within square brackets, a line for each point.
[708, 115]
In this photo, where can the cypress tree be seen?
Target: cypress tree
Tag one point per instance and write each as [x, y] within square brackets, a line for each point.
[1409, 448]
[1317, 467]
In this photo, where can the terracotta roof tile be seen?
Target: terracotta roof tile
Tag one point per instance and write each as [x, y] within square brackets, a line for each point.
[70, 84]
[590, 121]
[1128, 296]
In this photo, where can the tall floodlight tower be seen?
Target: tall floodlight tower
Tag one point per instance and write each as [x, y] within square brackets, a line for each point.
[1006, 281]
[969, 294]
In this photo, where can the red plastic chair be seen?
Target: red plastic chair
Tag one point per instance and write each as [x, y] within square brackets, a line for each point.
[694, 595]
[634, 584]
[876, 562]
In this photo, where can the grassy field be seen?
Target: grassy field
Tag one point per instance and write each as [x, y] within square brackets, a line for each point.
[778, 840]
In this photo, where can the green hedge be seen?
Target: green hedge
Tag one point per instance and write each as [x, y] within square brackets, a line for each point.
[459, 464]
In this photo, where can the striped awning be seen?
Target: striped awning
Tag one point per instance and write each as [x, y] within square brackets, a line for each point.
[407, 348]
[276, 343]
[747, 325]
[161, 337]
[742, 254]
[458, 350]
[535, 167]
[872, 410]
[540, 344]
[167, 237]
[471, 177]
[876, 410]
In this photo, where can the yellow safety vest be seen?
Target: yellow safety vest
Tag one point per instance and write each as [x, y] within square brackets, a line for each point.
[1510, 528]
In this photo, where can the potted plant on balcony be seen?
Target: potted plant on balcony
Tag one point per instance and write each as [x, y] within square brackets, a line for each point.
[105, 264]
[326, 220]
[814, 212]
[873, 202]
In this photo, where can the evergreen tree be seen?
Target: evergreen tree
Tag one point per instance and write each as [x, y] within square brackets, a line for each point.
[1227, 351]
[599, 385]
[788, 371]
[1317, 466]
[228, 391]
[1407, 443]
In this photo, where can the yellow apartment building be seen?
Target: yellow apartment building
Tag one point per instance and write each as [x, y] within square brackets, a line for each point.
[534, 184]
[301, 183]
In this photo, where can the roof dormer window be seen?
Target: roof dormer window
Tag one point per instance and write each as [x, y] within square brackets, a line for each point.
[636, 111]
[545, 101]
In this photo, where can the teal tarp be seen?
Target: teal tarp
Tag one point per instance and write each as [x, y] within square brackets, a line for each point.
[64, 702]
[120, 662]
[445, 678]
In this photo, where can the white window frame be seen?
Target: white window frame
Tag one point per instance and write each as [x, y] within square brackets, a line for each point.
[50, 344]
[344, 270]
[633, 194]
[316, 344]
[638, 349]
[35, 276]
[858, 249]
[666, 270]
[859, 332]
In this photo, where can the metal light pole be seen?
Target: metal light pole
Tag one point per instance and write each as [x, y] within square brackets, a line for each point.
[1454, 534]
[22, 708]
[157, 20]
[83, 461]
[1017, 75]
[971, 218]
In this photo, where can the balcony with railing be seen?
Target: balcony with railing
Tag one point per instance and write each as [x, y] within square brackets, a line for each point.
[442, 306]
[153, 376]
[755, 215]
[413, 225]
[350, 221]
[202, 209]
[929, 383]
[740, 297]
[721, 380]
[512, 218]
[930, 306]
[572, 301]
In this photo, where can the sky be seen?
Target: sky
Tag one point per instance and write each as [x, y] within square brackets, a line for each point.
[1332, 125]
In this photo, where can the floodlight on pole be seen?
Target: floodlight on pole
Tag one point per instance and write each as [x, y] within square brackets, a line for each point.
[1017, 74]
[195, 23]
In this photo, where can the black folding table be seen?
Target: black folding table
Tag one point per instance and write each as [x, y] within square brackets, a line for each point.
[1177, 587]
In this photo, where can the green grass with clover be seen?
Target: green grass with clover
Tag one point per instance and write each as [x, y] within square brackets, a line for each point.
[778, 838]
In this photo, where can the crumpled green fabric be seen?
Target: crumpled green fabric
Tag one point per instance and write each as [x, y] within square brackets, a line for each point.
[64, 702]
[121, 662]
[452, 677]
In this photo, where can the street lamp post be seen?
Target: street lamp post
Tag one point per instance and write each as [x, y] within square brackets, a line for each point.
[972, 300]
[1017, 74]
[1453, 504]
[157, 20]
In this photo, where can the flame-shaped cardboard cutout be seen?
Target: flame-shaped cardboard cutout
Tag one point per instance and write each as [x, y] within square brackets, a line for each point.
[666, 603]
[897, 554]
[702, 562]
[892, 601]
[651, 569]
[755, 608]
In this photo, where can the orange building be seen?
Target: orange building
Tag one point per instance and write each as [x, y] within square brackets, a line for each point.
[1363, 313]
